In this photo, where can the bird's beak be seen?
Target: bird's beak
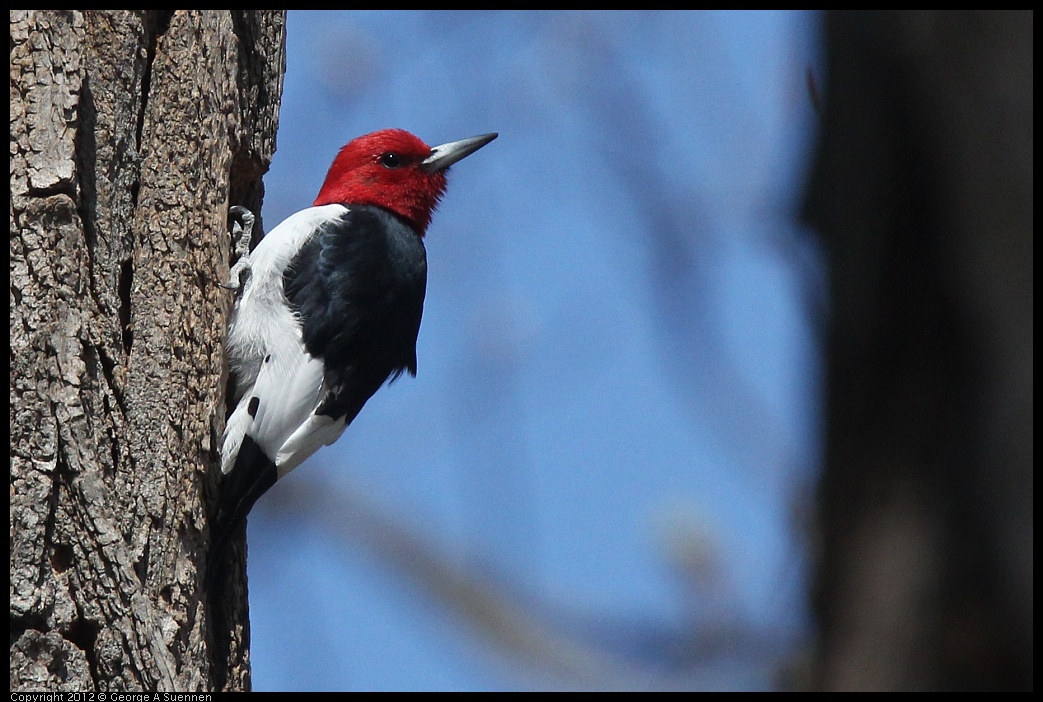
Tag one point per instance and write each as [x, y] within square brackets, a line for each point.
[445, 155]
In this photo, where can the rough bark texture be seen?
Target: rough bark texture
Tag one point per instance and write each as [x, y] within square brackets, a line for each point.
[131, 133]
[923, 190]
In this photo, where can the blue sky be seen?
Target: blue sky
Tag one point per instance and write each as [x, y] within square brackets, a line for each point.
[614, 431]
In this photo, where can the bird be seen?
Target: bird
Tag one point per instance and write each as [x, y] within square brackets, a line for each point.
[329, 311]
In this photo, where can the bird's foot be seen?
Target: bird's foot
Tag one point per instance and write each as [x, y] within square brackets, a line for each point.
[242, 233]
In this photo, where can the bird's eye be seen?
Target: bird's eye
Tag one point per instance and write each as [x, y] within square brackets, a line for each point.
[390, 160]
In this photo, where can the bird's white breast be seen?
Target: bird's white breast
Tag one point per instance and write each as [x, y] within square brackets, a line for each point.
[262, 320]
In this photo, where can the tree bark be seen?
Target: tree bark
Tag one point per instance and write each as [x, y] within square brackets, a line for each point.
[923, 192]
[131, 134]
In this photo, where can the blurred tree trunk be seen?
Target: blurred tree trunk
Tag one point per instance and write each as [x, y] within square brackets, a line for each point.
[131, 133]
[923, 192]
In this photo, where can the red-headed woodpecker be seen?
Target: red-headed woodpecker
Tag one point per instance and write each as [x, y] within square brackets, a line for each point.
[330, 310]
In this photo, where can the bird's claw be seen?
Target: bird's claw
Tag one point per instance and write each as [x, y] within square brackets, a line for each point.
[242, 232]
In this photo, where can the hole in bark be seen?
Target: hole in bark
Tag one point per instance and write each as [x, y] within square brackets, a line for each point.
[126, 278]
[83, 634]
[61, 558]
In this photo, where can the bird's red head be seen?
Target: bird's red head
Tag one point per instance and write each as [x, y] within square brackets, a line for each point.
[395, 170]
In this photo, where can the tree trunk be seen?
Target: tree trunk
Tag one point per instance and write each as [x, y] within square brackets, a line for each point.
[131, 134]
[923, 191]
